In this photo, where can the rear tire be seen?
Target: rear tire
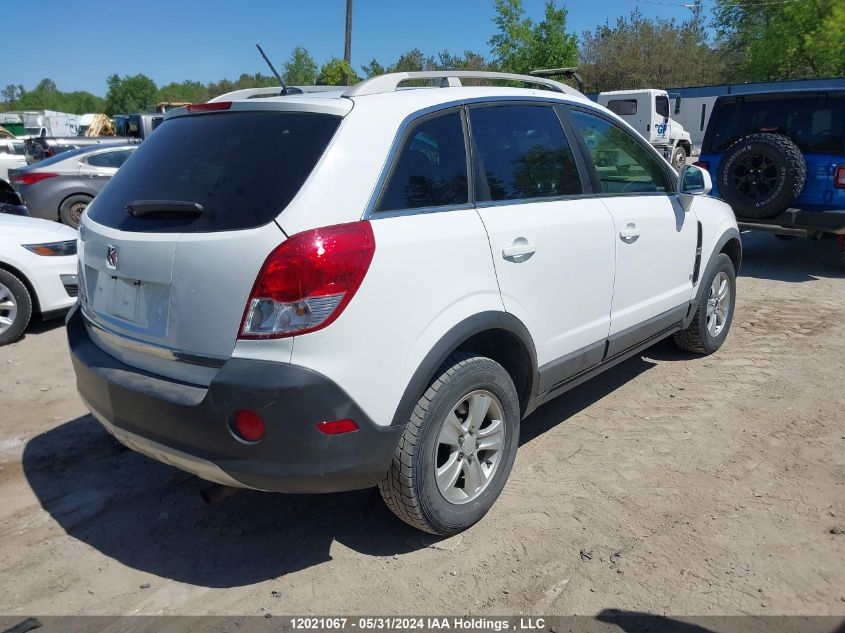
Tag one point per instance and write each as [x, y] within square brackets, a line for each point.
[71, 210]
[15, 307]
[457, 449]
[714, 313]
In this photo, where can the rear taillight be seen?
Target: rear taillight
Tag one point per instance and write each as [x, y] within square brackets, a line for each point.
[839, 177]
[704, 164]
[307, 281]
[32, 178]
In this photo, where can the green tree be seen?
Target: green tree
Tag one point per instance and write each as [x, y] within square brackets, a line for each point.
[300, 69]
[520, 45]
[337, 72]
[184, 91]
[788, 40]
[638, 52]
[129, 94]
[373, 68]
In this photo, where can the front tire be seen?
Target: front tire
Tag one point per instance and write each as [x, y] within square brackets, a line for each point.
[714, 313]
[458, 447]
[15, 307]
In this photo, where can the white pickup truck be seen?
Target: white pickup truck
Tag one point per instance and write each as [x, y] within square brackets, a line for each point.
[647, 111]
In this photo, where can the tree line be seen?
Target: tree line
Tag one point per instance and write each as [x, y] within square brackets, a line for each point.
[744, 40]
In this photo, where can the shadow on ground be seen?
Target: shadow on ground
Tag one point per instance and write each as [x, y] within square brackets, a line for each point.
[151, 517]
[802, 259]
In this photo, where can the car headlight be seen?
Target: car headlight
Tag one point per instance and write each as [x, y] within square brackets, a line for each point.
[52, 249]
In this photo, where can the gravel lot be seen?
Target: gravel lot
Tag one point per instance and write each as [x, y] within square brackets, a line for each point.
[669, 485]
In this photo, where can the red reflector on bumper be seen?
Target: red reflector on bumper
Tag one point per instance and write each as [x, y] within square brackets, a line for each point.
[336, 427]
[248, 425]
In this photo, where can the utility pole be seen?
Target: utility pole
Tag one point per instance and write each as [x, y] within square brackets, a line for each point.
[347, 47]
[347, 50]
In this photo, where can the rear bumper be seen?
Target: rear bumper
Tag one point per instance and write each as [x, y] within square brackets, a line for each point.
[800, 220]
[188, 426]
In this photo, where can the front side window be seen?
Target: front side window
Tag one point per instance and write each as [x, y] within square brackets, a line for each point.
[661, 106]
[623, 164]
[431, 168]
[521, 152]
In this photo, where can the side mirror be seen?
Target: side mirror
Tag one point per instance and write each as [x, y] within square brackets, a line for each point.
[693, 181]
[678, 104]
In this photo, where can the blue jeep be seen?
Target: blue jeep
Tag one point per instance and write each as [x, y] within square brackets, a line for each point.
[778, 158]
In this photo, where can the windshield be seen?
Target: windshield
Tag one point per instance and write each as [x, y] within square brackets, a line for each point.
[33, 131]
[243, 168]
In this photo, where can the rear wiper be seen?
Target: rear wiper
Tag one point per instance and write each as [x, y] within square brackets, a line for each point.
[164, 209]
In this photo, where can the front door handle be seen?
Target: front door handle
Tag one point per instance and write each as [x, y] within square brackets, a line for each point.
[520, 248]
[630, 233]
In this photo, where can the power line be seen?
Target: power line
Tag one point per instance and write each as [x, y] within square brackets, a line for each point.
[722, 4]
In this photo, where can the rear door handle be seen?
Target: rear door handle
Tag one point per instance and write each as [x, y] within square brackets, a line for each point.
[630, 233]
[518, 249]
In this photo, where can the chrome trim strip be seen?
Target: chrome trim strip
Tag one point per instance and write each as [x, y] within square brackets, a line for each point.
[159, 351]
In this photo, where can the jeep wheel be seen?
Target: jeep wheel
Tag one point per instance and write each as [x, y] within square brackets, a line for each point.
[679, 158]
[458, 448]
[761, 175]
[715, 310]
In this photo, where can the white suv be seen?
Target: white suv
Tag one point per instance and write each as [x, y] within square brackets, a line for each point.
[332, 290]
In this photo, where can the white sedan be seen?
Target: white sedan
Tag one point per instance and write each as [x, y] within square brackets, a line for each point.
[37, 272]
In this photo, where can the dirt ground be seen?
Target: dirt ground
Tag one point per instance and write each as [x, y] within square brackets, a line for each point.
[669, 485]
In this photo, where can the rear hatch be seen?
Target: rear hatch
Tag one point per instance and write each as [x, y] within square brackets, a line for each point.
[170, 248]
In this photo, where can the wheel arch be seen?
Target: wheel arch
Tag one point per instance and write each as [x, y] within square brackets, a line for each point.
[730, 244]
[499, 336]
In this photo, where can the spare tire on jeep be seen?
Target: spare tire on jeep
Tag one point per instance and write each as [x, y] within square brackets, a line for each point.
[761, 175]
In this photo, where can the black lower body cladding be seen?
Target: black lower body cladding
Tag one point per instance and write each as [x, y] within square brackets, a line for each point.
[294, 456]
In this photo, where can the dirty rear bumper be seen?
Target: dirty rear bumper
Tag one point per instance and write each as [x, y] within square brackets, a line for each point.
[188, 426]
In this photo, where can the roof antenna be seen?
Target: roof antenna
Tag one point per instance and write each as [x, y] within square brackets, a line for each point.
[272, 68]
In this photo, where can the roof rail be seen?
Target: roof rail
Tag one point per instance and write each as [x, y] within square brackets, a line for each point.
[272, 91]
[449, 78]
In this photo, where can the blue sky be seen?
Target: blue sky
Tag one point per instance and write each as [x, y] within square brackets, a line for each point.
[207, 40]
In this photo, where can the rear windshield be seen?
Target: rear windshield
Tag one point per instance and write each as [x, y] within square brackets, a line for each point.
[242, 168]
[816, 125]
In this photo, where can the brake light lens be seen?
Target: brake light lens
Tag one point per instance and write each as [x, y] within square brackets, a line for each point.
[32, 178]
[839, 178]
[704, 164]
[308, 280]
[209, 107]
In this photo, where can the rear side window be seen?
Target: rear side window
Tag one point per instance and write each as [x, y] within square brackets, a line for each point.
[622, 107]
[521, 152]
[815, 125]
[242, 167]
[431, 168]
[110, 159]
[622, 163]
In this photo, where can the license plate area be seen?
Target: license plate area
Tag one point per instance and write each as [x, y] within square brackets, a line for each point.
[141, 305]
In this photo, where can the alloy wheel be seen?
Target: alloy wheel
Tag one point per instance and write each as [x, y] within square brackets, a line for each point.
[470, 447]
[718, 304]
[8, 309]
